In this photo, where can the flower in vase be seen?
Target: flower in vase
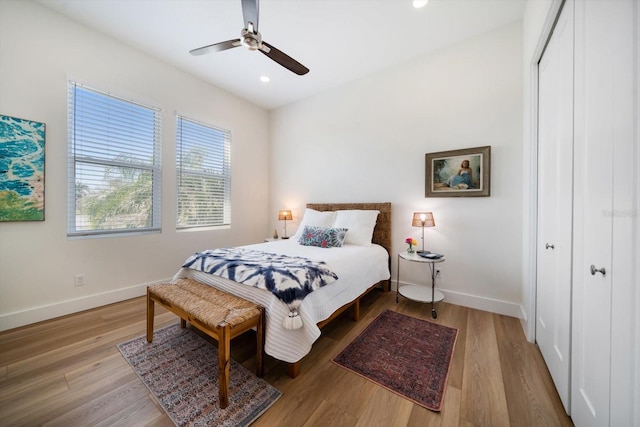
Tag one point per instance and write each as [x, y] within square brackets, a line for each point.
[410, 241]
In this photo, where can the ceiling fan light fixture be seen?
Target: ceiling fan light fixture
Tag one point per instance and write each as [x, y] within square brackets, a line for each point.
[251, 40]
[420, 3]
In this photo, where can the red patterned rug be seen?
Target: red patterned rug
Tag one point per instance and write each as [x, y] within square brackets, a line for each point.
[408, 356]
[180, 369]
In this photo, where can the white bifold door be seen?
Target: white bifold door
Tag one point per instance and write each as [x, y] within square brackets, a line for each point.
[587, 256]
[555, 195]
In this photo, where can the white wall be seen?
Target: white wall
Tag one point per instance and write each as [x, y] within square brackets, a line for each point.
[366, 142]
[39, 51]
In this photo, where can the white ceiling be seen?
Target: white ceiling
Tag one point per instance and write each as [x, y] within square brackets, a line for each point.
[338, 40]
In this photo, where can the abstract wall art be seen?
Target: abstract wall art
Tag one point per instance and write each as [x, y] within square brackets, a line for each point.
[21, 169]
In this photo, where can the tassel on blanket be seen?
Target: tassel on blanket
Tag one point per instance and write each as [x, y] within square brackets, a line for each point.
[292, 321]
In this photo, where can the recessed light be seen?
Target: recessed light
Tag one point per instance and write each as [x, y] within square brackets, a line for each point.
[420, 3]
[265, 79]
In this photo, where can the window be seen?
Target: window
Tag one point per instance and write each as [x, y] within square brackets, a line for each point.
[203, 158]
[114, 164]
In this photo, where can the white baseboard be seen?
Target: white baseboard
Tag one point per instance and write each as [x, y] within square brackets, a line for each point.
[481, 303]
[529, 333]
[51, 311]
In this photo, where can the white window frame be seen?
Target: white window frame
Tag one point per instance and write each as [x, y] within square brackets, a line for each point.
[79, 157]
[216, 143]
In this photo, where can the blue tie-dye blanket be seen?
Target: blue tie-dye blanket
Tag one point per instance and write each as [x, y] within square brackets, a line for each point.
[288, 278]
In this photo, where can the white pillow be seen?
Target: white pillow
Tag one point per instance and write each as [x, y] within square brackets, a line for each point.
[315, 218]
[360, 224]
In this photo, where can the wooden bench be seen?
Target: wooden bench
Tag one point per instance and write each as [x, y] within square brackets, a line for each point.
[218, 314]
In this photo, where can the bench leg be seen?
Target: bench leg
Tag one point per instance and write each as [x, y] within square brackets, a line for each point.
[150, 314]
[183, 323]
[223, 364]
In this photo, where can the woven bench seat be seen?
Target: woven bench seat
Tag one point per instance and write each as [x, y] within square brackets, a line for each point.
[218, 314]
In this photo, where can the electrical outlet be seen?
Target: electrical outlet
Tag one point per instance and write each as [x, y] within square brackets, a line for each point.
[79, 280]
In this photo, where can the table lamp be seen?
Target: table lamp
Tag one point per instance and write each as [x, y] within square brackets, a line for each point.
[423, 219]
[286, 216]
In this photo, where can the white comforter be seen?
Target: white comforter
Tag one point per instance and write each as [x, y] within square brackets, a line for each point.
[357, 267]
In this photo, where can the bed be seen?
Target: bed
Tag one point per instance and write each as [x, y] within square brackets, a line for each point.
[359, 266]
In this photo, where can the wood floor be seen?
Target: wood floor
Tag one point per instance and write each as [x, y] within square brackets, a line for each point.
[68, 372]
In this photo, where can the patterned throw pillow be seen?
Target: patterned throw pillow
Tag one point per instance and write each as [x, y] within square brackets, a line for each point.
[322, 237]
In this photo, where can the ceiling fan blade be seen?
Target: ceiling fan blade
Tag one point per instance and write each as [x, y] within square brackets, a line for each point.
[217, 47]
[250, 11]
[283, 59]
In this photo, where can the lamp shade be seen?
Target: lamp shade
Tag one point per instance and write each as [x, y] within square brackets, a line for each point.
[285, 215]
[423, 219]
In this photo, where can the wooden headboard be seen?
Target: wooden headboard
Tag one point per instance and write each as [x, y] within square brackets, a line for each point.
[382, 231]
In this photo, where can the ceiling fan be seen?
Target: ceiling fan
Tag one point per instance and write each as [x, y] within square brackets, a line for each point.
[252, 40]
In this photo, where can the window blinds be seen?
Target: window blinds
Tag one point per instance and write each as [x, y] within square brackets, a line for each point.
[203, 159]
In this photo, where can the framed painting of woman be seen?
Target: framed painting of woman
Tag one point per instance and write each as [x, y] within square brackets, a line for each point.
[458, 173]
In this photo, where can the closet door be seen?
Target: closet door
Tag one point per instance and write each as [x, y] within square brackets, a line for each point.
[555, 192]
[604, 117]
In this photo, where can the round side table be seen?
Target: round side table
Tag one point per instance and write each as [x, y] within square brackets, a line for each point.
[418, 292]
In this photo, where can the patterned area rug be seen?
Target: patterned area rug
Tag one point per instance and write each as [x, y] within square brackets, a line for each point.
[180, 369]
[409, 356]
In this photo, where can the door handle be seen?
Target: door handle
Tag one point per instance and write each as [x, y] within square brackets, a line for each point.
[595, 270]
[547, 246]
